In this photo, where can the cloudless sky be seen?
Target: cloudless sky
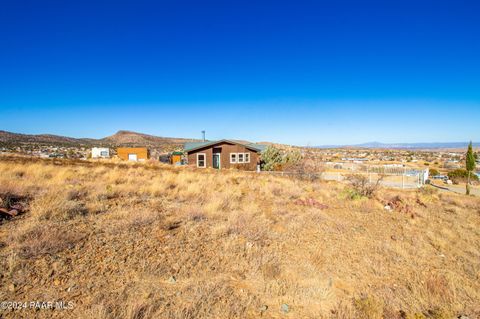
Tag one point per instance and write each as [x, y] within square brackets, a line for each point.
[299, 72]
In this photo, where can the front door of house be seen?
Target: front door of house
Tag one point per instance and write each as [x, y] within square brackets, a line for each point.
[216, 160]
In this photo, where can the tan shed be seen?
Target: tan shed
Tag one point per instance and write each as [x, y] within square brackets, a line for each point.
[133, 153]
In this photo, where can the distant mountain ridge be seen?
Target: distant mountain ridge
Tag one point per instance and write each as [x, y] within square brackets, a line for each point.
[9, 137]
[121, 138]
[129, 138]
[433, 145]
[134, 138]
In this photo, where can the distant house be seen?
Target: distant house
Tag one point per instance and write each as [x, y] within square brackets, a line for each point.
[133, 153]
[353, 159]
[223, 154]
[100, 152]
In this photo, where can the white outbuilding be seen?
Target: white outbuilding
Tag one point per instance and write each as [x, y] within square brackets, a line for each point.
[100, 152]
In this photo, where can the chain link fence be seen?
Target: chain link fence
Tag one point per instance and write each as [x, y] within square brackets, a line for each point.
[389, 175]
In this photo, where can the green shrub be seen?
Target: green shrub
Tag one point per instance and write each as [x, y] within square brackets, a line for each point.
[274, 159]
[350, 193]
[271, 159]
[461, 175]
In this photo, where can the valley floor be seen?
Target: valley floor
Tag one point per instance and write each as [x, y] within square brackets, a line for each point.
[153, 241]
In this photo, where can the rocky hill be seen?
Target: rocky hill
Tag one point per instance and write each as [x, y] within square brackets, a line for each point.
[13, 138]
[134, 138]
[121, 138]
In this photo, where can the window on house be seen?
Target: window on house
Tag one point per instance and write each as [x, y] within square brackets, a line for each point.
[240, 157]
[104, 153]
[201, 160]
[247, 157]
[233, 158]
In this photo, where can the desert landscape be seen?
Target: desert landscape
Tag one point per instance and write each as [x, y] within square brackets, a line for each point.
[148, 240]
[239, 159]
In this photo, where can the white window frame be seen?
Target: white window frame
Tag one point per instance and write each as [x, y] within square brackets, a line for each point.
[243, 158]
[204, 160]
[235, 160]
[246, 158]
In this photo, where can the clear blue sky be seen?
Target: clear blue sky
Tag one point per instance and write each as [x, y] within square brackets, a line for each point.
[300, 72]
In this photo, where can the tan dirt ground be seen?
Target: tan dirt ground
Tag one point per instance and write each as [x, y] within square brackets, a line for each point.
[152, 241]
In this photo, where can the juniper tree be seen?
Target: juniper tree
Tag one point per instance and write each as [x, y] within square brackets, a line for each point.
[274, 158]
[470, 166]
[271, 158]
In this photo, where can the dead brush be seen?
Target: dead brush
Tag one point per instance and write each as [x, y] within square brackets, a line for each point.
[311, 202]
[57, 206]
[139, 310]
[143, 218]
[368, 307]
[428, 191]
[362, 186]
[19, 174]
[452, 200]
[246, 226]
[196, 215]
[76, 194]
[214, 298]
[439, 288]
[343, 310]
[45, 239]
[12, 262]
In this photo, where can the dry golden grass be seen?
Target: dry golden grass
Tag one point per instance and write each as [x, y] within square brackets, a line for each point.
[153, 241]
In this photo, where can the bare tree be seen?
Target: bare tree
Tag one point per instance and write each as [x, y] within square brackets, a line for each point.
[362, 186]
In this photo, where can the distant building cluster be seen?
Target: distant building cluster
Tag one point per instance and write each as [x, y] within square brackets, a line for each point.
[440, 158]
[224, 154]
[220, 154]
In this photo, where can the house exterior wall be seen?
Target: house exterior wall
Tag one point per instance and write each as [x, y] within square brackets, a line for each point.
[97, 152]
[225, 150]
[142, 153]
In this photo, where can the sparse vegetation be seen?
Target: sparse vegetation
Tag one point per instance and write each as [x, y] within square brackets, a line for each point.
[461, 176]
[155, 241]
[470, 166]
[274, 159]
[362, 186]
[433, 172]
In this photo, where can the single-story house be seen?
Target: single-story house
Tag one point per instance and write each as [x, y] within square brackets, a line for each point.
[100, 152]
[133, 153]
[223, 154]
